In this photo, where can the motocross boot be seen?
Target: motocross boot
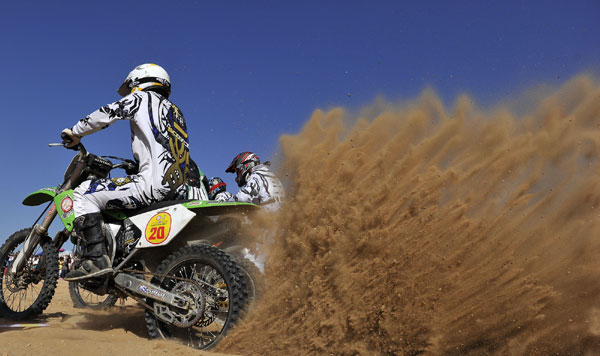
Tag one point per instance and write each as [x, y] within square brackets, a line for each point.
[95, 261]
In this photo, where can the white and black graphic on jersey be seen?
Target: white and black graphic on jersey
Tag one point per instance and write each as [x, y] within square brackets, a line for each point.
[251, 190]
[159, 143]
[171, 133]
[125, 110]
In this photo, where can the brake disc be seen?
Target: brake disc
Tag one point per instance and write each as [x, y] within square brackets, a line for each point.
[194, 296]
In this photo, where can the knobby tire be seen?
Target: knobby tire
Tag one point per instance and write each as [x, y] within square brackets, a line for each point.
[49, 276]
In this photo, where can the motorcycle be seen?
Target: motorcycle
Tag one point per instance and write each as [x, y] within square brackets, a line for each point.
[164, 256]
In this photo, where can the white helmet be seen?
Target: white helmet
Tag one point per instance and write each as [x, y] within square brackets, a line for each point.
[146, 76]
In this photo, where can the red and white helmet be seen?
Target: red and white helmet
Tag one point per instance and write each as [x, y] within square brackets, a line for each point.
[215, 186]
[242, 166]
[146, 76]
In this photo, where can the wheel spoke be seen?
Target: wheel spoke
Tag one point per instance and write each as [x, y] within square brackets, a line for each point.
[10, 299]
[20, 300]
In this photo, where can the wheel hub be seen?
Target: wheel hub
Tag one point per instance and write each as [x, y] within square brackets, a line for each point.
[17, 282]
[196, 301]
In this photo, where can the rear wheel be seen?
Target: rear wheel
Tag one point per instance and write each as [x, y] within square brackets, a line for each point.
[30, 290]
[217, 304]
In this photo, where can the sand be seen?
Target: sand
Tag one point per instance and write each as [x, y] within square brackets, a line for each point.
[118, 331]
[411, 228]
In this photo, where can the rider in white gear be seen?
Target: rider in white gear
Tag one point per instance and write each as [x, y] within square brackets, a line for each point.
[224, 196]
[260, 186]
[159, 141]
[257, 183]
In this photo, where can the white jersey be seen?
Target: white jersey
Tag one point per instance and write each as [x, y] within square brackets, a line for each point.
[262, 188]
[159, 142]
[224, 196]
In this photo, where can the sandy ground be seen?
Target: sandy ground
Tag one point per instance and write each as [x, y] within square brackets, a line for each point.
[72, 331]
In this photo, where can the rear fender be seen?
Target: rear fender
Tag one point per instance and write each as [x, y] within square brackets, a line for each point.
[217, 223]
[215, 208]
[159, 227]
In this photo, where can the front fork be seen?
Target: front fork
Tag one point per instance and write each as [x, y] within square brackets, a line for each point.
[33, 239]
[42, 230]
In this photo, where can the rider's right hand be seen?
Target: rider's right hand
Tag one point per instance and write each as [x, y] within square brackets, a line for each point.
[70, 140]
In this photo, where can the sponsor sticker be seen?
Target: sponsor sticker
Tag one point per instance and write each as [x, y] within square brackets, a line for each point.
[158, 228]
[50, 212]
[66, 204]
[148, 291]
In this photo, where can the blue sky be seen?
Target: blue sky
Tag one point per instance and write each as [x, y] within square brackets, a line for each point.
[245, 72]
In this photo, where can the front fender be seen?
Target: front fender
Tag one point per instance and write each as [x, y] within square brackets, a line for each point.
[40, 196]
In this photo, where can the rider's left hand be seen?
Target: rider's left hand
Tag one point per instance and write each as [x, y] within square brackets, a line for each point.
[69, 138]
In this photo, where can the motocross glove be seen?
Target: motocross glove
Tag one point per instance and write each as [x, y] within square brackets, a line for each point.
[70, 140]
[132, 168]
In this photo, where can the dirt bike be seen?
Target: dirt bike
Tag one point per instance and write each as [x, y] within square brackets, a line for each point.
[162, 256]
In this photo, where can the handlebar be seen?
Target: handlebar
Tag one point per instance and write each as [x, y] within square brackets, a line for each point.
[78, 147]
[130, 166]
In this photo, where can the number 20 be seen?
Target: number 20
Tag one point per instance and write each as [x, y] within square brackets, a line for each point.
[157, 233]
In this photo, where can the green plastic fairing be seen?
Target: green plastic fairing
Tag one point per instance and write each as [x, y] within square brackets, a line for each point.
[64, 208]
[40, 197]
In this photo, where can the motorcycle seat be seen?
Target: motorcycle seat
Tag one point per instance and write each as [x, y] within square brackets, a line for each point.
[159, 205]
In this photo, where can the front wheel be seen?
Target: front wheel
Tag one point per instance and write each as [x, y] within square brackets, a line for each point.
[218, 301]
[30, 290]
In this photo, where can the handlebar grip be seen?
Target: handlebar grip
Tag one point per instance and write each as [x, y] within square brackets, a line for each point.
[132, 169]
[66, 138]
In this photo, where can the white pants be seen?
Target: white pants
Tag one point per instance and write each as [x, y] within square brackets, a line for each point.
[109, 193]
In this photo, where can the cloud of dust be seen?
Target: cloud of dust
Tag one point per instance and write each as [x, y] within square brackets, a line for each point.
[427, 230]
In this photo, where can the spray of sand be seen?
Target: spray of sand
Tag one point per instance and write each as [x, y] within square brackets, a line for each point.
[421, 229]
